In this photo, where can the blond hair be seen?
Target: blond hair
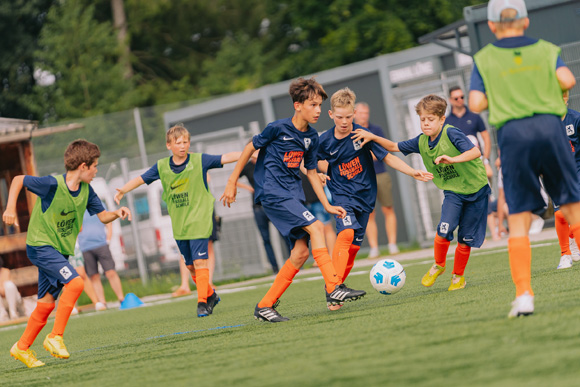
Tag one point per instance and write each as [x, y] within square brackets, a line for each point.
[432, 104]
[175, 132]
[343, 98]
[80, 151]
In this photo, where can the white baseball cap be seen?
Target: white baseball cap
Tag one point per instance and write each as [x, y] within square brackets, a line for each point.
[496, 7]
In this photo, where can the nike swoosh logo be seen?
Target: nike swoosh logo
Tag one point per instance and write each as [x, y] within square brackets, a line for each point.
[66, 213]
[358, 240]
[331, 153]
[175, 186]
[287, 138]
[201, 254]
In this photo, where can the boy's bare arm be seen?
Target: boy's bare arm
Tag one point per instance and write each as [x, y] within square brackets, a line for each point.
[9, 216]
[229, 195]
[401, 166]
[247, 187]
[130, 186]
[231, 157]
[366, 136]
[469, 155]
[565, 78]
[109, 216]
[319, 191]
[477, 101]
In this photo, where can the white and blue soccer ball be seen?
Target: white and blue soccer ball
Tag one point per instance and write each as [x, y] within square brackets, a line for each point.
[388, 276]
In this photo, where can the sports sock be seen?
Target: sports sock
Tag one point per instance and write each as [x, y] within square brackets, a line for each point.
[461, 257]
[283, 280]
[71, 293]
[202, 284]
[351, 256]
[520, 255]
[340, 255]
[326, 267]
[441, 246]
[563, 231]
[36, 322]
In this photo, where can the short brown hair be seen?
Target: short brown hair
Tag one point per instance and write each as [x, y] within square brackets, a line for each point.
[302, 89]
[175, 132]
[432, 104]
[80, 151]
[509, 21]
[343, 98]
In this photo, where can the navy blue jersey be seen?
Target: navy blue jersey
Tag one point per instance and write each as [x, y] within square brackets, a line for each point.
[45, 188]
[380, 166]
[207, 162]
[470, 123]
[282, 149]
[353, 181]
[456, 136]
[572, 125]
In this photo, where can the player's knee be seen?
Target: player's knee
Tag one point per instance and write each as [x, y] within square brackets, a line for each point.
[299, 255]
[346, 235]
[317, 228]
[76, 285]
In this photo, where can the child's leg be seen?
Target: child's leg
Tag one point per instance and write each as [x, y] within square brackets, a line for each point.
[520, 252]
[352, 251]
[321, 256]
[340, 255]
[440, 246]
[66, 303]
[563, 231]
[461, 257]
[36, 321]
[202, 279]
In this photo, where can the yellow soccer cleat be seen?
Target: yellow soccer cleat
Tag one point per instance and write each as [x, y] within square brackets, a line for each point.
[429, 278]
[55, 346]
[28, 356]
[457, 282]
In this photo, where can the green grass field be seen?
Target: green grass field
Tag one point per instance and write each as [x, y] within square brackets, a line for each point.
[418, 336]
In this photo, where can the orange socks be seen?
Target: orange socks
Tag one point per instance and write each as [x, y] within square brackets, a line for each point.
[563, 231]
[36, 322]
[283, 280]
[351, 256]
[520, 253]
[326, 267]
[66, 303]
[461, 257]
[441, 246]
[340, 254]
[202, 277]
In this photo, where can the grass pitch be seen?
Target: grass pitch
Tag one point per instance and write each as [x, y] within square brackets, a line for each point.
[419, 336]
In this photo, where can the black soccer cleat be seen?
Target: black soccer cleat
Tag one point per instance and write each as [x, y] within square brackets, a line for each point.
[269, 313]
[212, 301]
[202, 309]
[341, 293]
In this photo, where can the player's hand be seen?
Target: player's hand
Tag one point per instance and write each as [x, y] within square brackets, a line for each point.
[229, 195]
[124, 213]
[422, 175]
[488, 171]
[363, 135]
[118, 196]
[336, 210]
[9, 217]
[498, 163]
[444, 159]
[323, 178]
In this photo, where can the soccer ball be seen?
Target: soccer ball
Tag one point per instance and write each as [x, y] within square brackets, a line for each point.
[388, 276]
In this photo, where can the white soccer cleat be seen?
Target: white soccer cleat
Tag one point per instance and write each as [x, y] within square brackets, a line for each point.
[100, 306]
[522, 306]
[574, 250]
[536, 226]
[393, 249]
[374, 253]
[565, 262]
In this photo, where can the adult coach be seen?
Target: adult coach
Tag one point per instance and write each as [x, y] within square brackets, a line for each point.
[384, 190]
[469, 123]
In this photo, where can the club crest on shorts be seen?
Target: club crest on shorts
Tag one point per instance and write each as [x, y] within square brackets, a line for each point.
[444, 228]
[569, 130]
[308, 215]
[307, 142]
[347, 221]
[65, 272]
[357, 144]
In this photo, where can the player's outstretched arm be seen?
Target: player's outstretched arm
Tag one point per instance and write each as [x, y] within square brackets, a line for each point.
[231, 157]
[130, 186]
[401, 166]
[477, 101]
[109, 216]
[9, 216]
[319, 191]
[469, 155]
[366, 136]
[229, 195]
[247, 187]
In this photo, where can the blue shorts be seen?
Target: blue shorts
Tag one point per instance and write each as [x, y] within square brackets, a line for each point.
[533, 147]
[356, 220]
[193, 249]
[317, 209]
[289, 216]
[54, 269]
[469, 213]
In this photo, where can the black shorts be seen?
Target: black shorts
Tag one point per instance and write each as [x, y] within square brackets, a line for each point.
[100, 254]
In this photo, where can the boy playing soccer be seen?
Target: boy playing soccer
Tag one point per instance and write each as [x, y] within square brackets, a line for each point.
[190, 206]
[52, 233]
[278, 188]
[522, 80]
[458, 170]
[352, 180]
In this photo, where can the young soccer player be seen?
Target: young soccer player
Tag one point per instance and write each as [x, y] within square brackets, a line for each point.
[190, 206]
[283, 145]
[458, 170]
[568, 247]
[52, 232]
[521, 80]
[352, 180]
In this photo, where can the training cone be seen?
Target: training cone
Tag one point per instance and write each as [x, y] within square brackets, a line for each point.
[130, 301]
